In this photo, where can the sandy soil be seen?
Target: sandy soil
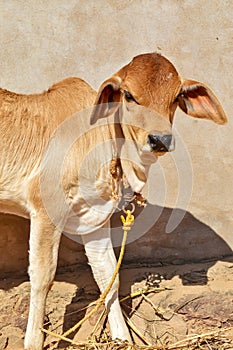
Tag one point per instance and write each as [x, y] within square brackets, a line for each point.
[191, 299]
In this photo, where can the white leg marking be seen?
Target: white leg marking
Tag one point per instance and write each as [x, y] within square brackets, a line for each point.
[101, 257]
[44, 244]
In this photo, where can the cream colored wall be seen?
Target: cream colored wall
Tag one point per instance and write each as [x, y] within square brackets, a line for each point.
[45, 41]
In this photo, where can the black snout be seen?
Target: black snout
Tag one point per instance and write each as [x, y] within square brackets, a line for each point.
[161, 143]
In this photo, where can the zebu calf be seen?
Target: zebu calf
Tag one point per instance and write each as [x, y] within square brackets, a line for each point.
[55, 152]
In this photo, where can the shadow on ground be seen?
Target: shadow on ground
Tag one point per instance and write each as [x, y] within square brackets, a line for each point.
[152, 257]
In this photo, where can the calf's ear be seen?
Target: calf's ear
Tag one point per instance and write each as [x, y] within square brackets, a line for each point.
[199, 101]
[107, 99]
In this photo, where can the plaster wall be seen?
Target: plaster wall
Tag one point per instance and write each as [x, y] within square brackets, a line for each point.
[43, 42]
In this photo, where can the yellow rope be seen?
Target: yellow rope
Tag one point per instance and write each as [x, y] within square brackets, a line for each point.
[59, 336]
[127, 223]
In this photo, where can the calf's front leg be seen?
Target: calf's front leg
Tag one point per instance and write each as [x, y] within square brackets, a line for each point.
[101, 257]
[43, 245]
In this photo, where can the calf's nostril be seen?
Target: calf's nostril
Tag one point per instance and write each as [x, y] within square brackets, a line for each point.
[152, 139]
[161, 143]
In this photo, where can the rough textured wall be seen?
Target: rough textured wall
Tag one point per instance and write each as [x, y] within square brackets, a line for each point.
[45, 41]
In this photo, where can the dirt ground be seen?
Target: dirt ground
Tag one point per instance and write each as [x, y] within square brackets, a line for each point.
[185, 300]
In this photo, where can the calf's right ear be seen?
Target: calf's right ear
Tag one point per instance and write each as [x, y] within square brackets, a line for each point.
[199, 101]
[107, 99]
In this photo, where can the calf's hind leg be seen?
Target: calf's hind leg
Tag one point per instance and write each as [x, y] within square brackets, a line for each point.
[43, 245]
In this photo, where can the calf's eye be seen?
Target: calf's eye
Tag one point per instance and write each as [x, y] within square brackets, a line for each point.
[128, 96]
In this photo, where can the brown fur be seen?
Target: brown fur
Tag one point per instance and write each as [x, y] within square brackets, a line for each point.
[27, 123]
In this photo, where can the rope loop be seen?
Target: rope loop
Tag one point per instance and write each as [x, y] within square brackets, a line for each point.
[128, 220]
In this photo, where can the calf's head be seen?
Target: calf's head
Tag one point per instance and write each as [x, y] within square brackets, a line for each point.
[146, 93]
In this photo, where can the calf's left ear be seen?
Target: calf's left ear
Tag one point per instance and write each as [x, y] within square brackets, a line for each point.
[199, 101]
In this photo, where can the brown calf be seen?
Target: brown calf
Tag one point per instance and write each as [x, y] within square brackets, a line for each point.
[55, 154]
